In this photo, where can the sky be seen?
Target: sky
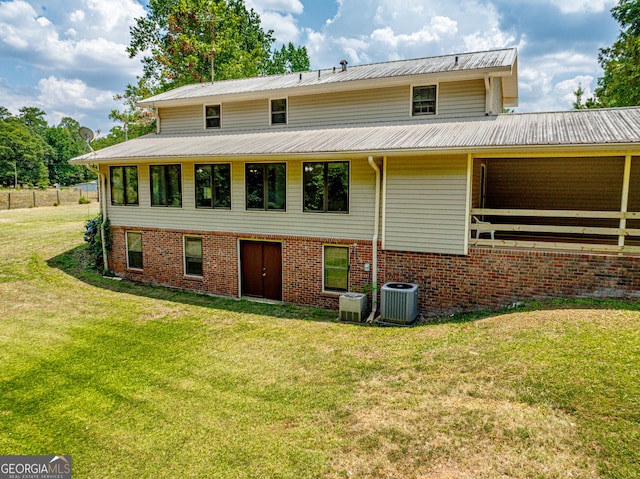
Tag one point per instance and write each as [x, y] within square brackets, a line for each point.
[68, 57]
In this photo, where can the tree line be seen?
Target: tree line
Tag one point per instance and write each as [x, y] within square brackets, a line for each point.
[34, 154]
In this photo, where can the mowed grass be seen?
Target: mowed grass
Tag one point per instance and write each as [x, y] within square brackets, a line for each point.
[137, 381]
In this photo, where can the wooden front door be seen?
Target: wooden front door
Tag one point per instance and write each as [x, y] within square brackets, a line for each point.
[261, 269]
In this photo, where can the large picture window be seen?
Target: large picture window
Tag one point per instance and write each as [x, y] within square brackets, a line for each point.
[213, 186]
[266, 186]
[336, 268]
[326, 187]
[193, 255]
[124, 185]
[134, 250]
[424, 100]
[166, 185]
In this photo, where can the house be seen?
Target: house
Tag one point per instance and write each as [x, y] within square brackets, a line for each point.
[302, 186]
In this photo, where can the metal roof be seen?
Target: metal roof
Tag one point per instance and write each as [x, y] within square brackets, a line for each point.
[478, 61]
[584, 128]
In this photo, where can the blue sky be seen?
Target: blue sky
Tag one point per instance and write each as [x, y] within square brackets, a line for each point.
[68, 57]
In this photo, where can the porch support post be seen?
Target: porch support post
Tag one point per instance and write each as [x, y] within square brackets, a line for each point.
[625, 198]
[469, 203]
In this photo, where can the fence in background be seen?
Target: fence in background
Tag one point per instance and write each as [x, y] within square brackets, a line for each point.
[15, 199]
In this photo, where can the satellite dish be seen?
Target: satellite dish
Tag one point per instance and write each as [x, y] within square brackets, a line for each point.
[86, 133]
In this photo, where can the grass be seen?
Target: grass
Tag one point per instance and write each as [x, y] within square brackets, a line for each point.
[136, 381]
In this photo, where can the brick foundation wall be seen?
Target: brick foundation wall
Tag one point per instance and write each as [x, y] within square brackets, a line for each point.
[486, 278]
[490, 278]
[163, 263]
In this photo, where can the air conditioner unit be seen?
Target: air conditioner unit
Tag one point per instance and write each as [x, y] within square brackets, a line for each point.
[353, 307]
[399, 303]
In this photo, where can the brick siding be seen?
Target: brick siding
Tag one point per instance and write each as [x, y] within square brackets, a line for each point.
[486, 278]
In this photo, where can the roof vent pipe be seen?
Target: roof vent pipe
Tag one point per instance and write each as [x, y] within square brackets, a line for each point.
[318, 74]
[456, 63]
[300, 77]
[344, 65]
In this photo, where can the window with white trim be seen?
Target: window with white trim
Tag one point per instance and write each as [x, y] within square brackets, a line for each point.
[193, 255]
[212, 116]
[336, 268]
[134, 250]
[279, 111]
[424, 100]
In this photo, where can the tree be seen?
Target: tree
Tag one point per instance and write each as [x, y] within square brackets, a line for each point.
[180, 36]
[620, 85]
[65, 143]
[24, 151]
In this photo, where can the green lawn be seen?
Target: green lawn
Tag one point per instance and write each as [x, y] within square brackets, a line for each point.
[140, 382]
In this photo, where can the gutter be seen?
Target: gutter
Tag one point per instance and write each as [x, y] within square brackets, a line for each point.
[103, 208]
[374, 244]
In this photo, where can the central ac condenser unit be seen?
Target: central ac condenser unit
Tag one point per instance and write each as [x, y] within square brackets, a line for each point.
[353, 307]
[399, 303]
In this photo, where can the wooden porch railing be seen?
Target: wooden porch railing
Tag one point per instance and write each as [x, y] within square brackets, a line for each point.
[556, 231]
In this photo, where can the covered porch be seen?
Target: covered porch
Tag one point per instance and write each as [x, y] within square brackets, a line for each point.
[580, 201]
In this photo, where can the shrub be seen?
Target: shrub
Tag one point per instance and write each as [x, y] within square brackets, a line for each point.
[83, 201]
[92, 236]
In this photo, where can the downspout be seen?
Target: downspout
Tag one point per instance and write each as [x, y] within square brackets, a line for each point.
[103, 209]
[374, 241]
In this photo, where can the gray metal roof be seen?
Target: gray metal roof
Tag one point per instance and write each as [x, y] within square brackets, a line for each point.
[488, 60]
[584, 128]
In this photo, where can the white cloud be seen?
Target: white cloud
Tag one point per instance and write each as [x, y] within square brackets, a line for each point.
[284, 26]
[77, 16]
[36, 40]
[577, 6]
[290, 6]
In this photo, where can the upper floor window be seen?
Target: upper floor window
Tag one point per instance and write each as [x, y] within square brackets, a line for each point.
[326, 187]
[212, 116]
[266, 186]
[213, 186]
[279, 112]
[166, 185]
[424, 100]
[124, 185]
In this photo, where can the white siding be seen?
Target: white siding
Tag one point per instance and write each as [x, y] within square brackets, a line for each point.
[186, 119]
[497, 106]
[364, 106]
[426, 205]
[382, 104]
[461, 98]
[358, 224]
[246, 115]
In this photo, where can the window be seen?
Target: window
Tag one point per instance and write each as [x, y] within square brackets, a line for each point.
[213, 186]
[336, 268]
[266, 186]
[424, 100]
[212, 116]
[166, 185]
[326, 187]
[134, 250]
[193, 255]
[124, 185]
[279, 112]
